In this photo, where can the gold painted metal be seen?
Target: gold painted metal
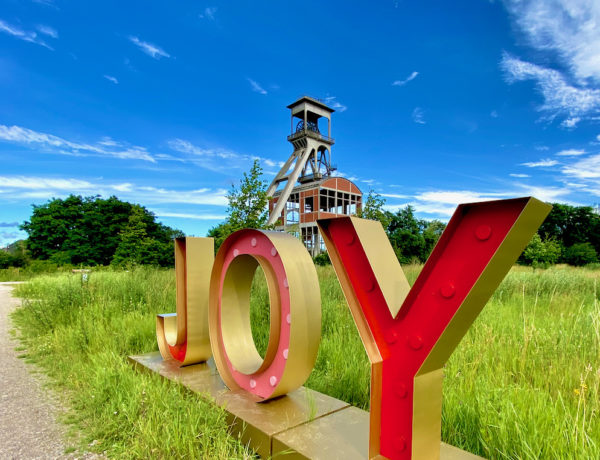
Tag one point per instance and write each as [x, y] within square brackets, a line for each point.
[232, 331]
[189, 326]
[255, 424]
[341, 435]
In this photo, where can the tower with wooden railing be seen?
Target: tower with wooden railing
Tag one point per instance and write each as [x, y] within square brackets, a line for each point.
[306, 188]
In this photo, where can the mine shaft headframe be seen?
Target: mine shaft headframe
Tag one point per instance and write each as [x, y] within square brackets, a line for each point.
[311, 158]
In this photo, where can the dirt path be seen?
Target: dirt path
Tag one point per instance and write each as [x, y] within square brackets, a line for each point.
[28, 428]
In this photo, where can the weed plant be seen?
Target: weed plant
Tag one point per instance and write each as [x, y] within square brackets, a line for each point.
[523, 384]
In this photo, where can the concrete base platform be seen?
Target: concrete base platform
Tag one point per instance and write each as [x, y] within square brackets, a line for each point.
[304, 424]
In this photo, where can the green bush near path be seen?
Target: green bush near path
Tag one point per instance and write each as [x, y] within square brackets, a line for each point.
[524, 382]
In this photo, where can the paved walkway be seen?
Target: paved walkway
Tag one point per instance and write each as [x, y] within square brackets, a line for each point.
[28, 428]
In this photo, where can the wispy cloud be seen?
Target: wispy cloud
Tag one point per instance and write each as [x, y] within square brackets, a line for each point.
[256, 87]
[151, 50]
[418, 116]
[411, 77]
[560, 97]
[183, 215]
[494, 114]
[58, 145]
[569, 28]
[9, 224]
[42, 183]
[39, 187]
[209, 13]
[47, 30]
[570, 123]
[111, 79]
[585, 168]
[25, 35]
[335, 104]
[571, 153]
[545, 163]
[444, 202]
[216, 159]
[394, 195]
[519, 175]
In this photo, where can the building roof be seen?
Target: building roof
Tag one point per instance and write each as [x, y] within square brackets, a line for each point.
[320, 183]
[312, 100]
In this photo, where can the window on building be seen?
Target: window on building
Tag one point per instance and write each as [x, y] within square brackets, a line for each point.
[308, 204]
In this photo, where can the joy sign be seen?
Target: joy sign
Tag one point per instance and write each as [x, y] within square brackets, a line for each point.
[409, 333]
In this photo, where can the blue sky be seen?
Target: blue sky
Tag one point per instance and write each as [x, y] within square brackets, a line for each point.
[167, 103]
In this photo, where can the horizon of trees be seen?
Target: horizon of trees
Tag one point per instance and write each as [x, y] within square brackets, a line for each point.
[95, 231]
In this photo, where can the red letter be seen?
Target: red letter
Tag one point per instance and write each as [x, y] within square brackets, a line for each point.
[410, 333]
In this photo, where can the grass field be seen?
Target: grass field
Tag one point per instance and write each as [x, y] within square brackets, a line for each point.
[523, 383]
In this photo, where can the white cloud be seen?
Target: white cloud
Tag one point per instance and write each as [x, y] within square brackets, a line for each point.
[571, 153]
[19, 187]
[444, 202]
[58, 145]
[41, 183]
[418, 116]
[541, 192]
[25, 35]
[47, 30]
[456, 197]
[125, 187]
[494, 114]
[394, 195]
[411, 77]
[560, 98]
[545, 163]
[519, 175]
[209, 13]
[334, 104]
[571, 28]
[151, 50]
[585, 168]
[542, 147]
[191, 216]
[256, 87]
[215, 159]
[570, 122]
[111, 79]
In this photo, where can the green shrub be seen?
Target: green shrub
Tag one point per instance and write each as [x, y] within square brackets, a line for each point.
[322, 259]
[539, 253]
[581, 254]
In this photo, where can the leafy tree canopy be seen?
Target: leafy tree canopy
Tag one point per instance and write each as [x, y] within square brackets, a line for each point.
[88, 230]
[247, 206]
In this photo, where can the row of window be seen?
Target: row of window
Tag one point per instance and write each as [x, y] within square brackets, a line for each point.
[332, 201]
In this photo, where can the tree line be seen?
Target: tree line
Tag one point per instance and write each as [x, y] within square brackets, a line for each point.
[92, 231]
[95, 231]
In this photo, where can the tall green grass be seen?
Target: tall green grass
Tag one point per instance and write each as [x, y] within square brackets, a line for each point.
[81, 334]
[523, 383]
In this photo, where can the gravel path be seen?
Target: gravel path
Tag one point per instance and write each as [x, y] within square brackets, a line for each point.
[28, 428]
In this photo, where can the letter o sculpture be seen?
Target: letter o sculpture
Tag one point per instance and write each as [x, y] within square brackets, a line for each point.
[295, 313]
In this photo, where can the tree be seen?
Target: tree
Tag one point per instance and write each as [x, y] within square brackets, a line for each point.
[87, 230]
[540, 253]
[581, 254]
[247, 206]
[372, 209]
[570, 225]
